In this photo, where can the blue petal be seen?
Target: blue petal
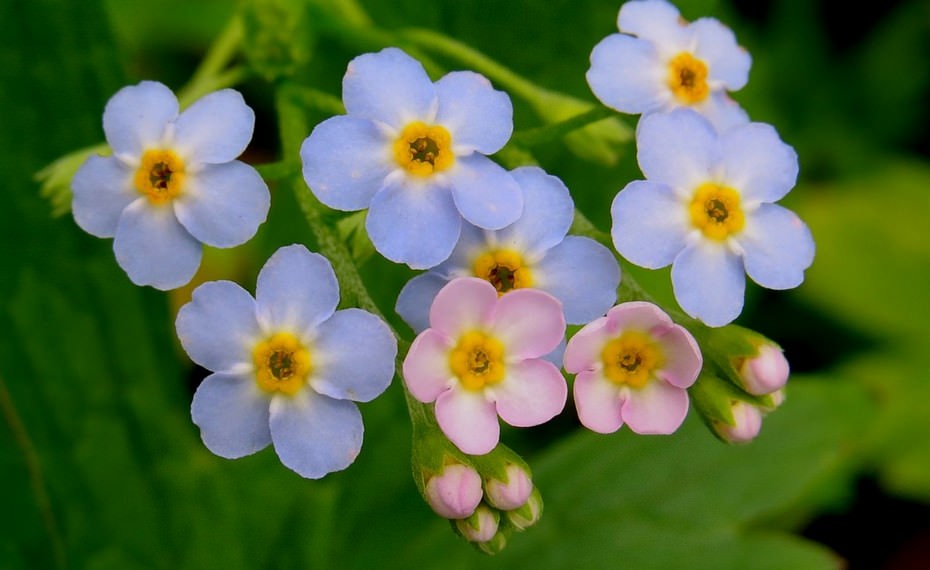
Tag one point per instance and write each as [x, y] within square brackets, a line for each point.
[477, 116]
[102, 188]
[649, 224]
[656, 21]
[722, 112]
[716, 45]
[216, 128]
[413, 225]
[153, 248]
[135, 118]
[757, 163]
[296, 290]
[473, 241]
[623, 75]
[223, 204]
[218, 327]
[314, 434]
[709, 283]
[777, 247]
[485, 193]
[232, 414]
[415, 298]
[353, 356]
[678, 148]
[548, 211]
[345, 161]
[390, 87]
[581, 273]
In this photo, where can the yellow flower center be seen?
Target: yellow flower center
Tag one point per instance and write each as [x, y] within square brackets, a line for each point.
[504, 269]
[715, 210]
[424, 149]
[282, 364]
[687, 78]
[631, 359]
[160, 177]
[477, 360]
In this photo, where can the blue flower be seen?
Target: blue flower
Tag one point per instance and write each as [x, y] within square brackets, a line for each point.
[532, 252]
[660, 62]
[286, 365]
[706, 208]
[413, 153]
[172, 182]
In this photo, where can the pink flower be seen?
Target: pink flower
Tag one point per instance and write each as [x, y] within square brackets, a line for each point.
[482, 357]
[633, 366]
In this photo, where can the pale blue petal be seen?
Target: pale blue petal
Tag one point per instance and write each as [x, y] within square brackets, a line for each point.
[415, 298]
[654, 20]
[757, 163]
[389, 86]
[476, 115]
[296, 290]
[709, 283]
[153, 248]
[414, 225]
[548, 211]
[650, 224]
[626, 75]
[232, 414]
[473, 242]
[223, 204]
[345, 160]
[215, 129]
[581, 273]
[777, 247]
[353, 356]
[716, 45]
[218, 328]
[314, 434]
[135, 118]
[722, 112]
[101, 189]
[678, 148]
[485, 193]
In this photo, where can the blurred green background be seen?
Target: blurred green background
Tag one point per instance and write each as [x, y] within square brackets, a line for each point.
[102, 468]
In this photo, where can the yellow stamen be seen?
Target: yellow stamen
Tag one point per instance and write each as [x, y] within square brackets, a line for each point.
[687, 78]
[424, 149]
[631, 359]
[160, 177]
[716, 211]
[505, 269]
[282, 364]
[477, 360]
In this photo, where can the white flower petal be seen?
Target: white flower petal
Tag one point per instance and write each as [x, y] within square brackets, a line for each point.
[715, 44]
[215, 129]
[757, 163]
[627, 75]
[722, 112]
[777, 247]
[476, 115]
[296, 290]
[678, 148]
[389, 86]
[101, 189]
[654, 20]
[135, 118]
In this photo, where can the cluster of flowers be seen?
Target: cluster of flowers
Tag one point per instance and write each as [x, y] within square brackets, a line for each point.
[503, 278]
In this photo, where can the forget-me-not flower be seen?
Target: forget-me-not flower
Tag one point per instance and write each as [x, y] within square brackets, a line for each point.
[287, 366]
[413, 153]
[172, 183]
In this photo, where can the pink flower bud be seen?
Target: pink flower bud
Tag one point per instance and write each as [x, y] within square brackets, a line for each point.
[513, 493]
[747, 421]
[766, 372]
[455, 492]
[481, 526]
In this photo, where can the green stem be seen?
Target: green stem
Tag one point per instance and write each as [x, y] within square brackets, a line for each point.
[195, 89]
[218, 56]
[546, 133]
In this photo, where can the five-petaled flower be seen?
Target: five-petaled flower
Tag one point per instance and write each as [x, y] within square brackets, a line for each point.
[172, 182]
[481, 357]
[660, 62]
[634, 367]
[531, 252]
[286, 365]
[413, 153]
[706, 208]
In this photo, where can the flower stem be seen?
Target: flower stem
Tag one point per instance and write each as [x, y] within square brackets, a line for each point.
[209, 75]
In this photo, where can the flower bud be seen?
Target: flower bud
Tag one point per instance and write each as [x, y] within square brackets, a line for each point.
[527, 514]
[454, 493]
[512, 493]
[481, 526]
[765, 372]
[493, 546]
[747, 421]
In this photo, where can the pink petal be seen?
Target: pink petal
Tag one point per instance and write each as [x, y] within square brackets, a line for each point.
[468, 420]
[636, 315]
[657, 408]
[584, 348]
[683, 358]
[529, 322]
[532, 393]
[463, 304]
[598, 402]
[426, 367]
